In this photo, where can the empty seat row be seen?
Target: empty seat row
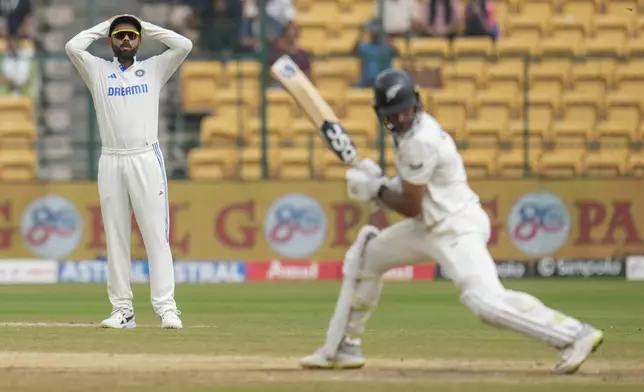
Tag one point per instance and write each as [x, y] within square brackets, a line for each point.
[302, 163]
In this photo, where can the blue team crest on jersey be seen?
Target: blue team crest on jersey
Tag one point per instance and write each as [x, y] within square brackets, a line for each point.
[139, 72]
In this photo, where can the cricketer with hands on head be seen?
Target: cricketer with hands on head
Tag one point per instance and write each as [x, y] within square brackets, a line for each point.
[444, 222]
[131, 169]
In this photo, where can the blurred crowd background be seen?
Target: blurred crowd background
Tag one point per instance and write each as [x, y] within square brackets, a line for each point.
[526, 87]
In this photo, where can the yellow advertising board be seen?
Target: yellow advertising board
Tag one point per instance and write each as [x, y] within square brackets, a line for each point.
[316, 220]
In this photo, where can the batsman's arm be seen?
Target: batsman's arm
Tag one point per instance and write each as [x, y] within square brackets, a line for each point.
[76, 49]
[178, 49]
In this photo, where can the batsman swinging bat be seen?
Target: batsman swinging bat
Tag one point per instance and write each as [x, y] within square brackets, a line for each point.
[316, 108]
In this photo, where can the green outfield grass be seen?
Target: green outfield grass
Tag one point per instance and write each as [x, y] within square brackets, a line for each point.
[248, 338]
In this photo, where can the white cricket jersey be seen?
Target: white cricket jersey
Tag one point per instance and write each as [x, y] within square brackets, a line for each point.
[427, 155]
[127, 100]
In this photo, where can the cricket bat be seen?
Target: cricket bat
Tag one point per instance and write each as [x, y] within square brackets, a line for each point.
[309, 99]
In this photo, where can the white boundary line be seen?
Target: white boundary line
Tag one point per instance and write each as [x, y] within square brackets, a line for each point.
[80, 325]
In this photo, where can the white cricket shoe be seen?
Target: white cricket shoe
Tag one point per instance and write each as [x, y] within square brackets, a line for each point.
[573, 356]
[119, 319]
[349, 356]
[170, 319]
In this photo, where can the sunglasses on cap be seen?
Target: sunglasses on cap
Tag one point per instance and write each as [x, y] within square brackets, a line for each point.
[121, 34]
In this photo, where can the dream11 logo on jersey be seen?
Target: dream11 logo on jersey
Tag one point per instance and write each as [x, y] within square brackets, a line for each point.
[539, 224]
[295, 226]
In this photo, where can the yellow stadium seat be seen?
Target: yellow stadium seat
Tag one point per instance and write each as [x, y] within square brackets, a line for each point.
[635, 46]
[482, 133]
[620, 7]
[582, 108]
[212, 163]
[624, 108]
[231, 109]
[493, 105]
[465, 76]
[514, 46]
[295, 164]
[506, 76]
[617, 27]
[17, 134]
[342, 40]
[335, 74]
[565, 27]
[572, 133]
[452, 110]
[541, 8]
[18, 165]
[605, 163]
[615, 133]
[564, 162]
[502, 9]
[590, 78]
[360, 7]
[561, 51]
[542, 112]
[635, 163]
[549, 76]
[402, 46]
[494, 112]
[473, 46]
[328, 10]
[529, 28]
[581, 9]
[16, 110]
[639, 25]
[275, 135]
[359, 107]
[312, 33]
[436, 47]
[213, 132]
[602, 45]
[479, 162]
[512, 163]
[199, 81]
[251, 163]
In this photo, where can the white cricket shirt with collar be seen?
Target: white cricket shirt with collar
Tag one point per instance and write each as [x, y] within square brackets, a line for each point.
[127, 100]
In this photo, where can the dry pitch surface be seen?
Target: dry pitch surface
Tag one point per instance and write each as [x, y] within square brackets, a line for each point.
[249, 337]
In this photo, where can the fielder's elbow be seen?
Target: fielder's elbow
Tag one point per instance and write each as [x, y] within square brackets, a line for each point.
[70, 48]
[186, 45]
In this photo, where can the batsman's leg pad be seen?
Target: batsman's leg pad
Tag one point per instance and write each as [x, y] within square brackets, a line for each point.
[351, 270]
[521, 313]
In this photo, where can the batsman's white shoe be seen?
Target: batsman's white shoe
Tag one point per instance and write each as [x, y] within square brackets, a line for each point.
[170, 319]
[573, 356]
[119, 319]
[349, 356]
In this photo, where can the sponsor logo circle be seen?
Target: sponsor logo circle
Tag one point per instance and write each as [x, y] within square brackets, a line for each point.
[295, 226]
[139, 72]
[547, 267]
[539, 223]
[51, 227]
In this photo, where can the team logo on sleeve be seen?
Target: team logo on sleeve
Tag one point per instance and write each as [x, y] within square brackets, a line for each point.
[539, 224]
[139, 72]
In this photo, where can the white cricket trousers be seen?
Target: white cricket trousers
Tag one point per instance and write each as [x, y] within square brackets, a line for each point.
[459, 244]
[134, 180]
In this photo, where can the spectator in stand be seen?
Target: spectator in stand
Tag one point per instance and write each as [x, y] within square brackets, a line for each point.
[16, 67]
[219, 26]
[399, 17]
[480, 20]
[288, 44]
[279, 14]
[375, 55]
[440, 18]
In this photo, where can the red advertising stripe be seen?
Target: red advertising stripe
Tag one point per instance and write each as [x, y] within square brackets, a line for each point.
[283, 270]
